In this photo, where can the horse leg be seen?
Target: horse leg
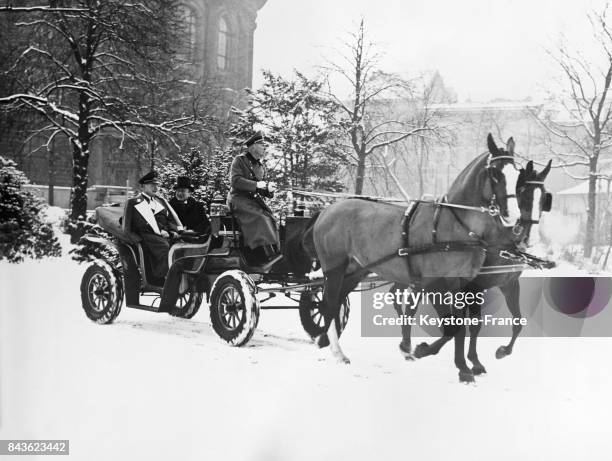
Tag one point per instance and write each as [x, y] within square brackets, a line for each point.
[465, 373]
[512, 293]
[477, 367]
[448, 332]
[330, 305]
[409, 311]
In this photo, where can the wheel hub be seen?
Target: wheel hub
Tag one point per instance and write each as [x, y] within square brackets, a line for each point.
[99, 292]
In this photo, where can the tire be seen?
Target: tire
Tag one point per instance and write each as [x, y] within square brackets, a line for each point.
[311, 316]
[188, 305]
[234, 308]
[101, 293]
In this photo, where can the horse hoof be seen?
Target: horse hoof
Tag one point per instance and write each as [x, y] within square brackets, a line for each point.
[406, 352]
[322, 341]
[502, 352]
[422, 350]
[466, 377]
[478, 370]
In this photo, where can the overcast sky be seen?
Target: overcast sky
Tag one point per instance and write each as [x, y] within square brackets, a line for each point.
[484, 49]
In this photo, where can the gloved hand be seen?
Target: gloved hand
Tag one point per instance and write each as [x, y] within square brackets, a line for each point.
[260, 185]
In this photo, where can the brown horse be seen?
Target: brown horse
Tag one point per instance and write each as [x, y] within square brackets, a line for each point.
[533, 200]
[444, 240]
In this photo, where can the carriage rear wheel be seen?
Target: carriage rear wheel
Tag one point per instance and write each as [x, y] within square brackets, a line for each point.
[101, 293]
[234, 308]
[187, 305]
[311, 315]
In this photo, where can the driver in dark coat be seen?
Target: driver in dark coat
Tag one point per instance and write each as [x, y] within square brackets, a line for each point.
[152, 218]
[246, 197]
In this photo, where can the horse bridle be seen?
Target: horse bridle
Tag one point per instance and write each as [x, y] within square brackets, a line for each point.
[546, 206]
[493, 209]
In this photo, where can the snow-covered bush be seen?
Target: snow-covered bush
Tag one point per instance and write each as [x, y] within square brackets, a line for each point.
[23, 231]
[86, 251]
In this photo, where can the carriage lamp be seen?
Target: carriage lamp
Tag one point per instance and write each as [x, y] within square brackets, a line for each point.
[217, 211]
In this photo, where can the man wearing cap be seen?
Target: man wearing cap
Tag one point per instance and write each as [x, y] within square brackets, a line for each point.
[191, 212]
[153, 219]
[246, 197]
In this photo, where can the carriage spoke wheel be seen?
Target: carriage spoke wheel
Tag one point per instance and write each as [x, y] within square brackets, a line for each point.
[234, 309]
[316, 315]
[101, 292]
[187, 304]
[311, 314]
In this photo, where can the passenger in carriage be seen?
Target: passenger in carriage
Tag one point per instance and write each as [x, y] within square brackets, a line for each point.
[246, 197]
[191, 212]
[153, 219]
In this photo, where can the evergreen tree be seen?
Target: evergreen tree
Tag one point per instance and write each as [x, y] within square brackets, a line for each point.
[302, 132]
[23, 233]
[208, 172]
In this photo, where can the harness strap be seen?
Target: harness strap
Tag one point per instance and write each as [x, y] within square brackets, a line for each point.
[436, 219]
[406, 220]
[440, 247]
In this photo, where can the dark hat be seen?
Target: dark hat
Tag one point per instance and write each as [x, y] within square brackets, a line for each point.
[257, 137]
[150, 177]
[183, 182]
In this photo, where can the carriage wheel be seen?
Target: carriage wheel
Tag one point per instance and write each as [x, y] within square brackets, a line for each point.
[187, 305]
[234, 308]
[101, 293]
[311, 315]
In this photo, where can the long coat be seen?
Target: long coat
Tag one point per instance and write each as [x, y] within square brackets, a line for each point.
[192, 214]
[147, 219]
[254, 216]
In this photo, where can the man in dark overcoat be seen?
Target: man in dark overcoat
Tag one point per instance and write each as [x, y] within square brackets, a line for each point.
[152, 218]
[191, 212]
[246, 197]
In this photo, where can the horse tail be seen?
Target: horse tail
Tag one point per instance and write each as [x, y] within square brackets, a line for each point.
[299, 249]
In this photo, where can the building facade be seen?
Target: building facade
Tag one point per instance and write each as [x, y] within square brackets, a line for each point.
[219, 53]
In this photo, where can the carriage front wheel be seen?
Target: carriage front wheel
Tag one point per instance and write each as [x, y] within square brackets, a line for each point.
[101, 293]
[311, 315]
[234, 308]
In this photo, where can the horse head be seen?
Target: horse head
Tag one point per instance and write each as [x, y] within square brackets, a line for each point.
[532, 198]
[503, 174]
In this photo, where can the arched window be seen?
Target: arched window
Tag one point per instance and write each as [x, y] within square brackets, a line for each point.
[223, 44]
[188, 18]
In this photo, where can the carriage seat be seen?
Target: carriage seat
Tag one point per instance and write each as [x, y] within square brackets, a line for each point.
[194, 254]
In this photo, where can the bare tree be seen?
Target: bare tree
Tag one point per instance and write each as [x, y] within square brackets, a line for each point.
[371, 90]
[102, 67]
[579, 135]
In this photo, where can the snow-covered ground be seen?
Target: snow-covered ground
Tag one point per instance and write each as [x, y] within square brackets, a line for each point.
[153, 387]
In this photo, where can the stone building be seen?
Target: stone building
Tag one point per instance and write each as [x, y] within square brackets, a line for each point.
[220, 53]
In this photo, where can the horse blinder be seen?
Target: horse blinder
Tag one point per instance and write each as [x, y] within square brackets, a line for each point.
[547, 203]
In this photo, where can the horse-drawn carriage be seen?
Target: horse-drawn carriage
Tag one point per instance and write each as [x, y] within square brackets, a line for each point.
[213, 268]
[469, 239]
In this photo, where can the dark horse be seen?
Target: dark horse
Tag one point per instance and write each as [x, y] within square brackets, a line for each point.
[434, 243]
[533, 200]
